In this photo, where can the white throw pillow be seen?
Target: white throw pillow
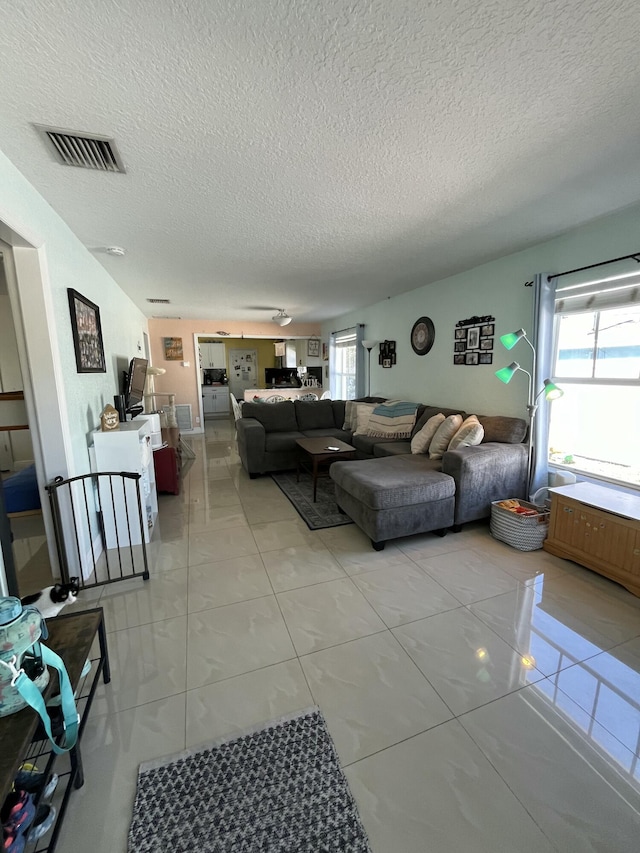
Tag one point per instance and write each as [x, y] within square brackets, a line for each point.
[470, 433]
[422, 439]
[445, 432]
[363, 413]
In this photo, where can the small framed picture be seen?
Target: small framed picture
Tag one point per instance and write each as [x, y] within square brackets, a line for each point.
[487, 331]
[486, 343]
[459, 346]
[173, 349]
[386, 362]
[473, 338]
[471, 358]
[87, 334]
[458, 358]
[486, 358]
[461, 334]
[313, 347]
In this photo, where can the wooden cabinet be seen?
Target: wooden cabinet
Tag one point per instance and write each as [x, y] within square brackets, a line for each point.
[598, 528]
[128, 448]
[213, 356]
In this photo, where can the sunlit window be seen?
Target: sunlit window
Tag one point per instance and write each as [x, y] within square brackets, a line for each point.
[597, 362]
[343, 369]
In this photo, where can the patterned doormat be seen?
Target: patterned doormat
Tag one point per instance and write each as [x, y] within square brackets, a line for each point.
[324, 512]
[279, 788]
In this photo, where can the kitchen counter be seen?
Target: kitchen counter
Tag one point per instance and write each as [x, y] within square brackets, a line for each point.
[287, 393]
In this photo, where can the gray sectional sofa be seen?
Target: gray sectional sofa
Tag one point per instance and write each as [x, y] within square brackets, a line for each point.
[493, 470]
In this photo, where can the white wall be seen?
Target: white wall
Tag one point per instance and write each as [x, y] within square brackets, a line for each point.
[64, 262]
[497, 289]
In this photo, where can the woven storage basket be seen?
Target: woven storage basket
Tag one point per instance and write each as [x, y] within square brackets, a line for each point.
[524, 532]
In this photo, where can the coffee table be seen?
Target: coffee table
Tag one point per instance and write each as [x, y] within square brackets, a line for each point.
[317, 450]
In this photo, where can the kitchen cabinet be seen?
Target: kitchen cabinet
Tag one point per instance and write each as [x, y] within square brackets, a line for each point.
[215, 400]
[213, 356]
[598, 528]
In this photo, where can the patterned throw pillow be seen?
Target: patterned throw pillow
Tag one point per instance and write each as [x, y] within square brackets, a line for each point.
[421, 440]
[470, 433]
[392, 420]
[445, 432]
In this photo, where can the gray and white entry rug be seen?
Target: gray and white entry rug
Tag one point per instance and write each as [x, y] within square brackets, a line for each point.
[279, 788]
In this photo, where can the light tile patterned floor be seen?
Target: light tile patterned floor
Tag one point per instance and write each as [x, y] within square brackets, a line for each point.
[480, 699]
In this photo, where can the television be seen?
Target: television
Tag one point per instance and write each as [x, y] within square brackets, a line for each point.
[134, 385]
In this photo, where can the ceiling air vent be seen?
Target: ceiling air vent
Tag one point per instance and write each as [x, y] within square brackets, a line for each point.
[86, 150]
[159, 301]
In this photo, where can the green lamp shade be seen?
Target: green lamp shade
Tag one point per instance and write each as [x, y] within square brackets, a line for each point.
[511, 338]
[505, 374]
[551, 391]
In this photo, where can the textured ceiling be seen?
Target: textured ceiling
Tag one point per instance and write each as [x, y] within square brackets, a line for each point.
[322, 155]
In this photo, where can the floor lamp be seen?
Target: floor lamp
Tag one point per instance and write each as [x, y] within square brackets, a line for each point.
[550, 391]
[369, 345]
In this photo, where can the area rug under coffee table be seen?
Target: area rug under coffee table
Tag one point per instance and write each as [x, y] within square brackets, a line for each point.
[279, 788]
[324, 512]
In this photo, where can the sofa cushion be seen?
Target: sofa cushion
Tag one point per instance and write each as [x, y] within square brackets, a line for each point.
[367, 443]
[470, 434]
[350, 415]
[342, 434]
[279, 442]
[395, 481]
[430, 411]
[445, 432]
[274, 417]
[505, 430]
[314, 414]
[422, 439]
[339, 413]
[392, 420]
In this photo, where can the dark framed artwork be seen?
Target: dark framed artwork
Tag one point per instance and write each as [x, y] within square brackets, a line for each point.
[486, 358]
[486, 343]
[313, 347]
[458, 358]
[473, 337]
[87, 333]
[471, 357]
[387, 353]
[487, 331]
[459, 346]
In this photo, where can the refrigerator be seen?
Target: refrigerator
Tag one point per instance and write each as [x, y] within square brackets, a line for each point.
[243, 371]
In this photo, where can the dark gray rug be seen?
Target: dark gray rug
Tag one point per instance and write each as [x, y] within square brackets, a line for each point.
[324, 512]
[279, 789]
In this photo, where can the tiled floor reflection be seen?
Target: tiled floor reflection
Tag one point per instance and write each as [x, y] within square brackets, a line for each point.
[480, 698]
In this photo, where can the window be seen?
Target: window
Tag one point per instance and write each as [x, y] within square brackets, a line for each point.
[343, 368]
[597, 363]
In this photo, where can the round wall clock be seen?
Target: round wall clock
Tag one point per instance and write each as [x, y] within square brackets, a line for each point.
[423, 334]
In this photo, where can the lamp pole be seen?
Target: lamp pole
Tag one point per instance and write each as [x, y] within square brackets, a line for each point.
[369, 345]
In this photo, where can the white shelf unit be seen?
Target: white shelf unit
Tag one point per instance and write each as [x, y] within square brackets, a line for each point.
[127, 449]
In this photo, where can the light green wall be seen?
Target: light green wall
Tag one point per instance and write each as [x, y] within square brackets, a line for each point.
[70, 264]
[497, 289]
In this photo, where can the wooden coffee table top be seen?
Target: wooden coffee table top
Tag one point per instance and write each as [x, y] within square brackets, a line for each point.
[318, 446]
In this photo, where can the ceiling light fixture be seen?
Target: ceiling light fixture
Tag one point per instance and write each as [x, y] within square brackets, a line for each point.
[118, 251]
[282, 318]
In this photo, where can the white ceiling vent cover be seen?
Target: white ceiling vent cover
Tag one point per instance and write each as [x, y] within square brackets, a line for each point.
[85, 150]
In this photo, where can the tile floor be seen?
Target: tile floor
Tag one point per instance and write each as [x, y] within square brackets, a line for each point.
[480, 699]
